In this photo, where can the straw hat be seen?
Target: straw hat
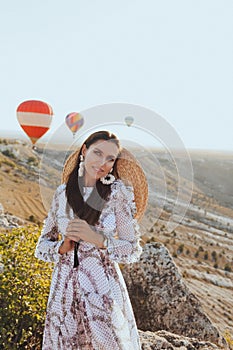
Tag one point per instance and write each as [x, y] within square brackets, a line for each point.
[129, 171]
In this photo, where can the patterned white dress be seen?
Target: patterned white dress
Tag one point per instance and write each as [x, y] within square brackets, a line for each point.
[88, 306]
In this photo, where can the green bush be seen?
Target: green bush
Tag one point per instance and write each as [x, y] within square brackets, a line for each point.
[33, 161]
[24, 287]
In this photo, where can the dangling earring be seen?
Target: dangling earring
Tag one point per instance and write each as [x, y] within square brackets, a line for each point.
[108, 179]
[81, 166]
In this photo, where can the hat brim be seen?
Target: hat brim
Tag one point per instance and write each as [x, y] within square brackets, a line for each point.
[129, 171]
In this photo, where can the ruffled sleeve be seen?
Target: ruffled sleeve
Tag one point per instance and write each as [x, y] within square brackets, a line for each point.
[126, 247]
[48, 243]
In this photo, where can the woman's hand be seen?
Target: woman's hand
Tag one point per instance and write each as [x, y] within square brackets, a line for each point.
[79, 229]
[66, 246]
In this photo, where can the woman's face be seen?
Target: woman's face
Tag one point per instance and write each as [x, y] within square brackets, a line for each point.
[99, 159]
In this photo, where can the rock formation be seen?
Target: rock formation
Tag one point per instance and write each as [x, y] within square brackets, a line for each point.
[161, 300]
[163, 340]
[9, 221]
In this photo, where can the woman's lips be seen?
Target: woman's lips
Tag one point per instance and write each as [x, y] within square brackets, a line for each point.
[98, 170]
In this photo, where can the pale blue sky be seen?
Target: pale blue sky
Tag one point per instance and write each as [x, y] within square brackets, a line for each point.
[174, 57]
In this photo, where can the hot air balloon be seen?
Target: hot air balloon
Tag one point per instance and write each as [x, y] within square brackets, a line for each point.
[74, 121]
[34, 118]
[129, 120]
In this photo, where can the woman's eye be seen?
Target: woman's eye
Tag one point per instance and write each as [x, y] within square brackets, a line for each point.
[98, 153]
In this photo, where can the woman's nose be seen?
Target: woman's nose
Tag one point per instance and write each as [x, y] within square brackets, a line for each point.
[103, 162]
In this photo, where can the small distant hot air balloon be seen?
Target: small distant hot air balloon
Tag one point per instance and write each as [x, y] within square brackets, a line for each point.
[74, 121]
[34, 118]
[129, 120]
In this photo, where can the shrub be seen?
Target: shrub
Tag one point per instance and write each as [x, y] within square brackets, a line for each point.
[229, 338]
[33, 161]
[24, 287]
[214, 255]
[227, 268]
[8, 153]
[8, 162]
[32, 218]
[4, 141]
[180, 249]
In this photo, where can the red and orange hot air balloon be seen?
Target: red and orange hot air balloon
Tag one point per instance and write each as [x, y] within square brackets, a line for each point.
[74, 121]
[34, 118]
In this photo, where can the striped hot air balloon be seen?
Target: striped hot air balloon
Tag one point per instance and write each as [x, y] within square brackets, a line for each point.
[34, 118]
[74, 121]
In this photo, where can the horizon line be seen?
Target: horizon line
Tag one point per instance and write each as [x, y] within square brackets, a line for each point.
[16, 135]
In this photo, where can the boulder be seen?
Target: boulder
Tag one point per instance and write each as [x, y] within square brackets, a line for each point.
[163, 340]
[162, 301]
[9, 221]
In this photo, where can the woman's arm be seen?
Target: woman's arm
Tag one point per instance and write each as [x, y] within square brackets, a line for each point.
[49, 247]
[126, 247]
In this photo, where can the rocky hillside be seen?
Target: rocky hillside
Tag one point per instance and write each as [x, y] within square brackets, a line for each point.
[201, 245]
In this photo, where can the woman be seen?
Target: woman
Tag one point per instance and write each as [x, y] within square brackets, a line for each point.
[94, 212]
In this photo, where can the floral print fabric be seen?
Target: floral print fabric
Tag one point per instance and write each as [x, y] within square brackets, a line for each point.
[88, 306]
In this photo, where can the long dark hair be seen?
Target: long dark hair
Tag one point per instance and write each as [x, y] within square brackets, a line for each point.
[91, 209]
